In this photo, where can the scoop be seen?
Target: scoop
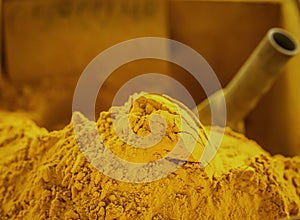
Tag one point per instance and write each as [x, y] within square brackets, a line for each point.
[151, 126]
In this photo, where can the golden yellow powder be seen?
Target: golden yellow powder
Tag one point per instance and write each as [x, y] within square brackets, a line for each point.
[46, 175]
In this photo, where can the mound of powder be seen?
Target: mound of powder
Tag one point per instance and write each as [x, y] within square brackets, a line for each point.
[47, 175]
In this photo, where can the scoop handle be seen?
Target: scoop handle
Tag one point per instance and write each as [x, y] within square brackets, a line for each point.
[255, 77]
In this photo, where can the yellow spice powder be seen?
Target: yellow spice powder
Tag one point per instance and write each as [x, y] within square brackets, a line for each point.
[46, 175]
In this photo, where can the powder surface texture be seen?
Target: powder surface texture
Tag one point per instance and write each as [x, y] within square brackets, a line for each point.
[47, 175]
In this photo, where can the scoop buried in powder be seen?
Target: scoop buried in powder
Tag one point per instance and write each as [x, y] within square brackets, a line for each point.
[146, 139]
[153, 126]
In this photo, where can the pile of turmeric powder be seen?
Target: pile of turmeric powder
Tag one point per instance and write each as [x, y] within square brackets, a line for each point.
[46, 175]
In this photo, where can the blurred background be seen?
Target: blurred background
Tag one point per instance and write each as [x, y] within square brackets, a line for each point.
[45, 46]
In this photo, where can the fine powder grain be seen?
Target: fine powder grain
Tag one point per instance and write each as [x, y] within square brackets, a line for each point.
[46, 175]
